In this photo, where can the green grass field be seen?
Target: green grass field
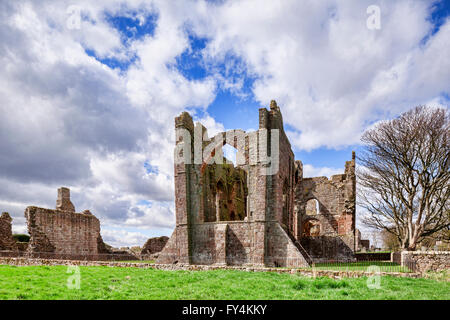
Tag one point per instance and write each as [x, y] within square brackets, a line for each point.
[45, 282]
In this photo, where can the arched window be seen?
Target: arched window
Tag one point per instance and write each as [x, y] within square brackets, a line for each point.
[224, 186]
[229, 153]
[312, 207]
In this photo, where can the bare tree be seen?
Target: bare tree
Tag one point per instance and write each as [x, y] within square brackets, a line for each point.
[390, 241]
[404, 175]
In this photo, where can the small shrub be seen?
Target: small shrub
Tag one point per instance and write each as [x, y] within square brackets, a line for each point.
[327, 283]
[299, 285]
[21, 237]
[22, 296]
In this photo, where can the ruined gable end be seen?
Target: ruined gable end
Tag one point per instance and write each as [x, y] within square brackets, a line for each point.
[7, 241]
[62, 232]
[63, 202]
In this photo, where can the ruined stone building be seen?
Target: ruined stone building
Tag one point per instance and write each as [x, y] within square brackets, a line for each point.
[260, 210]
[153, 246]
[7, 242]
[62, 232]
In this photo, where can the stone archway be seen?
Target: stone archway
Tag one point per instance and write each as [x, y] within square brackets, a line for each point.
[311, 228]
[224, 188]
[312, 207]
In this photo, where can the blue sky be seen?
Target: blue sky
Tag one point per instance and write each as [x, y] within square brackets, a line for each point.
[97, 97]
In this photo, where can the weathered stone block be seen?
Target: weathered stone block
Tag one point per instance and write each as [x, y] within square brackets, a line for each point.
[7, 241]
[154, 245]
[64, 232]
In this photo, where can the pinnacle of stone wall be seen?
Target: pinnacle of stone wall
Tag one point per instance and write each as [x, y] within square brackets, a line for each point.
[184, 120]
[63, 202]
[7, 241]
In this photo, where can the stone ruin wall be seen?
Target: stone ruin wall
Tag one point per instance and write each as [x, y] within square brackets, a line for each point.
[7, 242]
[225, 194]
[236, 243]
[362, 245]
[281, 248]
[153, 247]
[267, 233]
[327, 215]
[422, 261]
[227, 214]
[62, 231]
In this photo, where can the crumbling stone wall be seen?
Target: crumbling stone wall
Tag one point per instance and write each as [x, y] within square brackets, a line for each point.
[224, 193]
[419, 261]
[22, 246]
[63, 231]
[327, 214]
[253, 213]
[361, 244]
[154, 245]
[63, 201]
[7, 242]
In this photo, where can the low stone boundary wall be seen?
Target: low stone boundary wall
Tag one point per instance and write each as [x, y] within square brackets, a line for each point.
[423, 261]
[309, 272]
[118, 256]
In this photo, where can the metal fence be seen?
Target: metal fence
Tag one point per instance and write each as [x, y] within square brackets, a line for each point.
[369, 265]
[365, 266]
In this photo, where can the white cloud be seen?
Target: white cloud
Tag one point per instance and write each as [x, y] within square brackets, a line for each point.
[311, 171]
[121, 238]
[330, 74]
[67, 119]
[211, 125]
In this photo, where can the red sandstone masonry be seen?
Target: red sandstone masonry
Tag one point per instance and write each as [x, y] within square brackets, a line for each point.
[154, 245]
[63, 231]
[7, 241]
[271, 219]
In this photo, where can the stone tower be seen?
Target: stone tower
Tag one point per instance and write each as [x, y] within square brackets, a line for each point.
[63, 201]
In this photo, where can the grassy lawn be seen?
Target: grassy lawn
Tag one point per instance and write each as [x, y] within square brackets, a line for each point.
[50, 282]
[384, 266]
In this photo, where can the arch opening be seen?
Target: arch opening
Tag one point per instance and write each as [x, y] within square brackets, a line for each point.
[311, 228]
[312, 207]
[224, 189]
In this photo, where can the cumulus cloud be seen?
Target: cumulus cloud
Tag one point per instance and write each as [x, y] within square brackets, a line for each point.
[70, 119]
[330, 74]
[118, 238]
[311, 171]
